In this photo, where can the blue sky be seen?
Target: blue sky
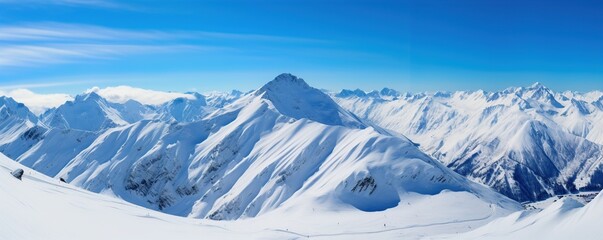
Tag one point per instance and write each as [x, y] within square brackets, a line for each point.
[69, 46]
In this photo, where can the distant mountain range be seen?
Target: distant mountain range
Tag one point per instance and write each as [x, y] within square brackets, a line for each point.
[527, 143]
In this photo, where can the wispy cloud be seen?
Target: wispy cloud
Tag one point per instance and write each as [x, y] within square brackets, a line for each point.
[73, 32]
[9, 87]
[32, 55]
[122, 94]
[35, 44]
[75, 3]
[54, 43]
[79, 32]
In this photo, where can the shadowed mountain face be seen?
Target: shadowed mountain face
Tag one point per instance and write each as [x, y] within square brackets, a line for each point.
[527, 143]
[282, 144]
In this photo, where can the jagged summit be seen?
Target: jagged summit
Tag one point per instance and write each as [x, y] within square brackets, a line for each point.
[293, 97]
[12, 104]
[89, 96]
[385, 93]
[88, 112]
[184, 109]
[9, 101]
[389, 92]
[538, 88]
[285, 80]
[349, 93]
[538, 85]
[199, 98]
[540, 92]
[10, 107]
[236, 93]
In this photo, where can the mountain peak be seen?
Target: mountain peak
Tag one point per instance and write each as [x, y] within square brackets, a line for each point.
[538, 85]
[98, 113]
[236, 93]
[349, 93]
[7, 100]
[89, 96]
[389, 92]
[285, 80]
[10, 107]
[385, 93]
[293, 97]
[539, 91]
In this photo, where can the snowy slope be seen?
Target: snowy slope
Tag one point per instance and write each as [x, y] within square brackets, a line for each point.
[565, 219]
[39, 207]
[254, 156]
[528, 143]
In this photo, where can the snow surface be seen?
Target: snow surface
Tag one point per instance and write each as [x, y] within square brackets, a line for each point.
[40, 207]
[566, 218]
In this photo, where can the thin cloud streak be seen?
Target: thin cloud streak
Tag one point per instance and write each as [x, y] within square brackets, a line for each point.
[29, 55]
[80, 32]
[46, 43]
[41, 85]
[76, 32]
[75, 3]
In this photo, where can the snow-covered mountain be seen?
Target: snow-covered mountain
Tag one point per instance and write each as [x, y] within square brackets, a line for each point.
[284, 145]
[91, 112]
[18, 127]
[221, 99]
[40, 207]
[528, 143]
[185, 109]
[102, 114]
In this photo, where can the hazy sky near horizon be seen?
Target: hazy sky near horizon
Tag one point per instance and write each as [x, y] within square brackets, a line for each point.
[68, 46]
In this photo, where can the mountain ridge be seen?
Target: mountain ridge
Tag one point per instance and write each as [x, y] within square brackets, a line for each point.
[469, 131]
